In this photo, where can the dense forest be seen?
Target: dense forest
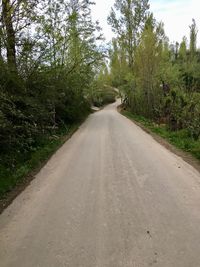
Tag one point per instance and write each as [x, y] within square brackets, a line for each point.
[55, 64]
[50, 54]
[158, 80]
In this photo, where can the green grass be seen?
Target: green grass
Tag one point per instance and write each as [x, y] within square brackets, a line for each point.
[10, 177]
[179, 139]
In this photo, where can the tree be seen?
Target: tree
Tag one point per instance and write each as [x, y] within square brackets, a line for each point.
[118, 63]
[10, 34]
[50, 52]
[147, 66]
[129, 23]
[188, 61]
[183, 50]
[193, 39]
[16, 17]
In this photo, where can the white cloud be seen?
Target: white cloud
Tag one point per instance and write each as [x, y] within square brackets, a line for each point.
[100, 12]
[176, 14]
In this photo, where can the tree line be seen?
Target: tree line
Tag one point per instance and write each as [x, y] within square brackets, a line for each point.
[50, 52]
[158, 80]
[54, 66]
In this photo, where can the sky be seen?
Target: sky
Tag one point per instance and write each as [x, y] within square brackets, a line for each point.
[176, 15]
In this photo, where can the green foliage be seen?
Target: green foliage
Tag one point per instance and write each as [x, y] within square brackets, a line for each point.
[181, 139]
[49, 55]
[118, 64]
[191, 115]
[127, 19]
[193, 39]
[102, 94]
[163, 83]
[147, 67]
[12, 175]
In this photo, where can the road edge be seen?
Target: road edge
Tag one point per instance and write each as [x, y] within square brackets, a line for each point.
[19, 188]
[187, 157]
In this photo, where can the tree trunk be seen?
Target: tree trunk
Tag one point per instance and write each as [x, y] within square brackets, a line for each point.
[130, 36]
[10, 35]
[1, 57]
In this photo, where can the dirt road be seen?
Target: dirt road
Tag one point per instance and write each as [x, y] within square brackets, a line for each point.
[110, 197]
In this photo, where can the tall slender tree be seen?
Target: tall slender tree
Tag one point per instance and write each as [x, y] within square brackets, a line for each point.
[10, 34]
[193, 38]
[127, 19]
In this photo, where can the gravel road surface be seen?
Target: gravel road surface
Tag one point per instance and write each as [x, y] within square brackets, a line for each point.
[110, 197]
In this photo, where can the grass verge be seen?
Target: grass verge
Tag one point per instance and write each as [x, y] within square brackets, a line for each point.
[12, 182]
[180, 139]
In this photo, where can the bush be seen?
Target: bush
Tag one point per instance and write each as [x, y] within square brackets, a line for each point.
[191, 115]
[104, 96]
